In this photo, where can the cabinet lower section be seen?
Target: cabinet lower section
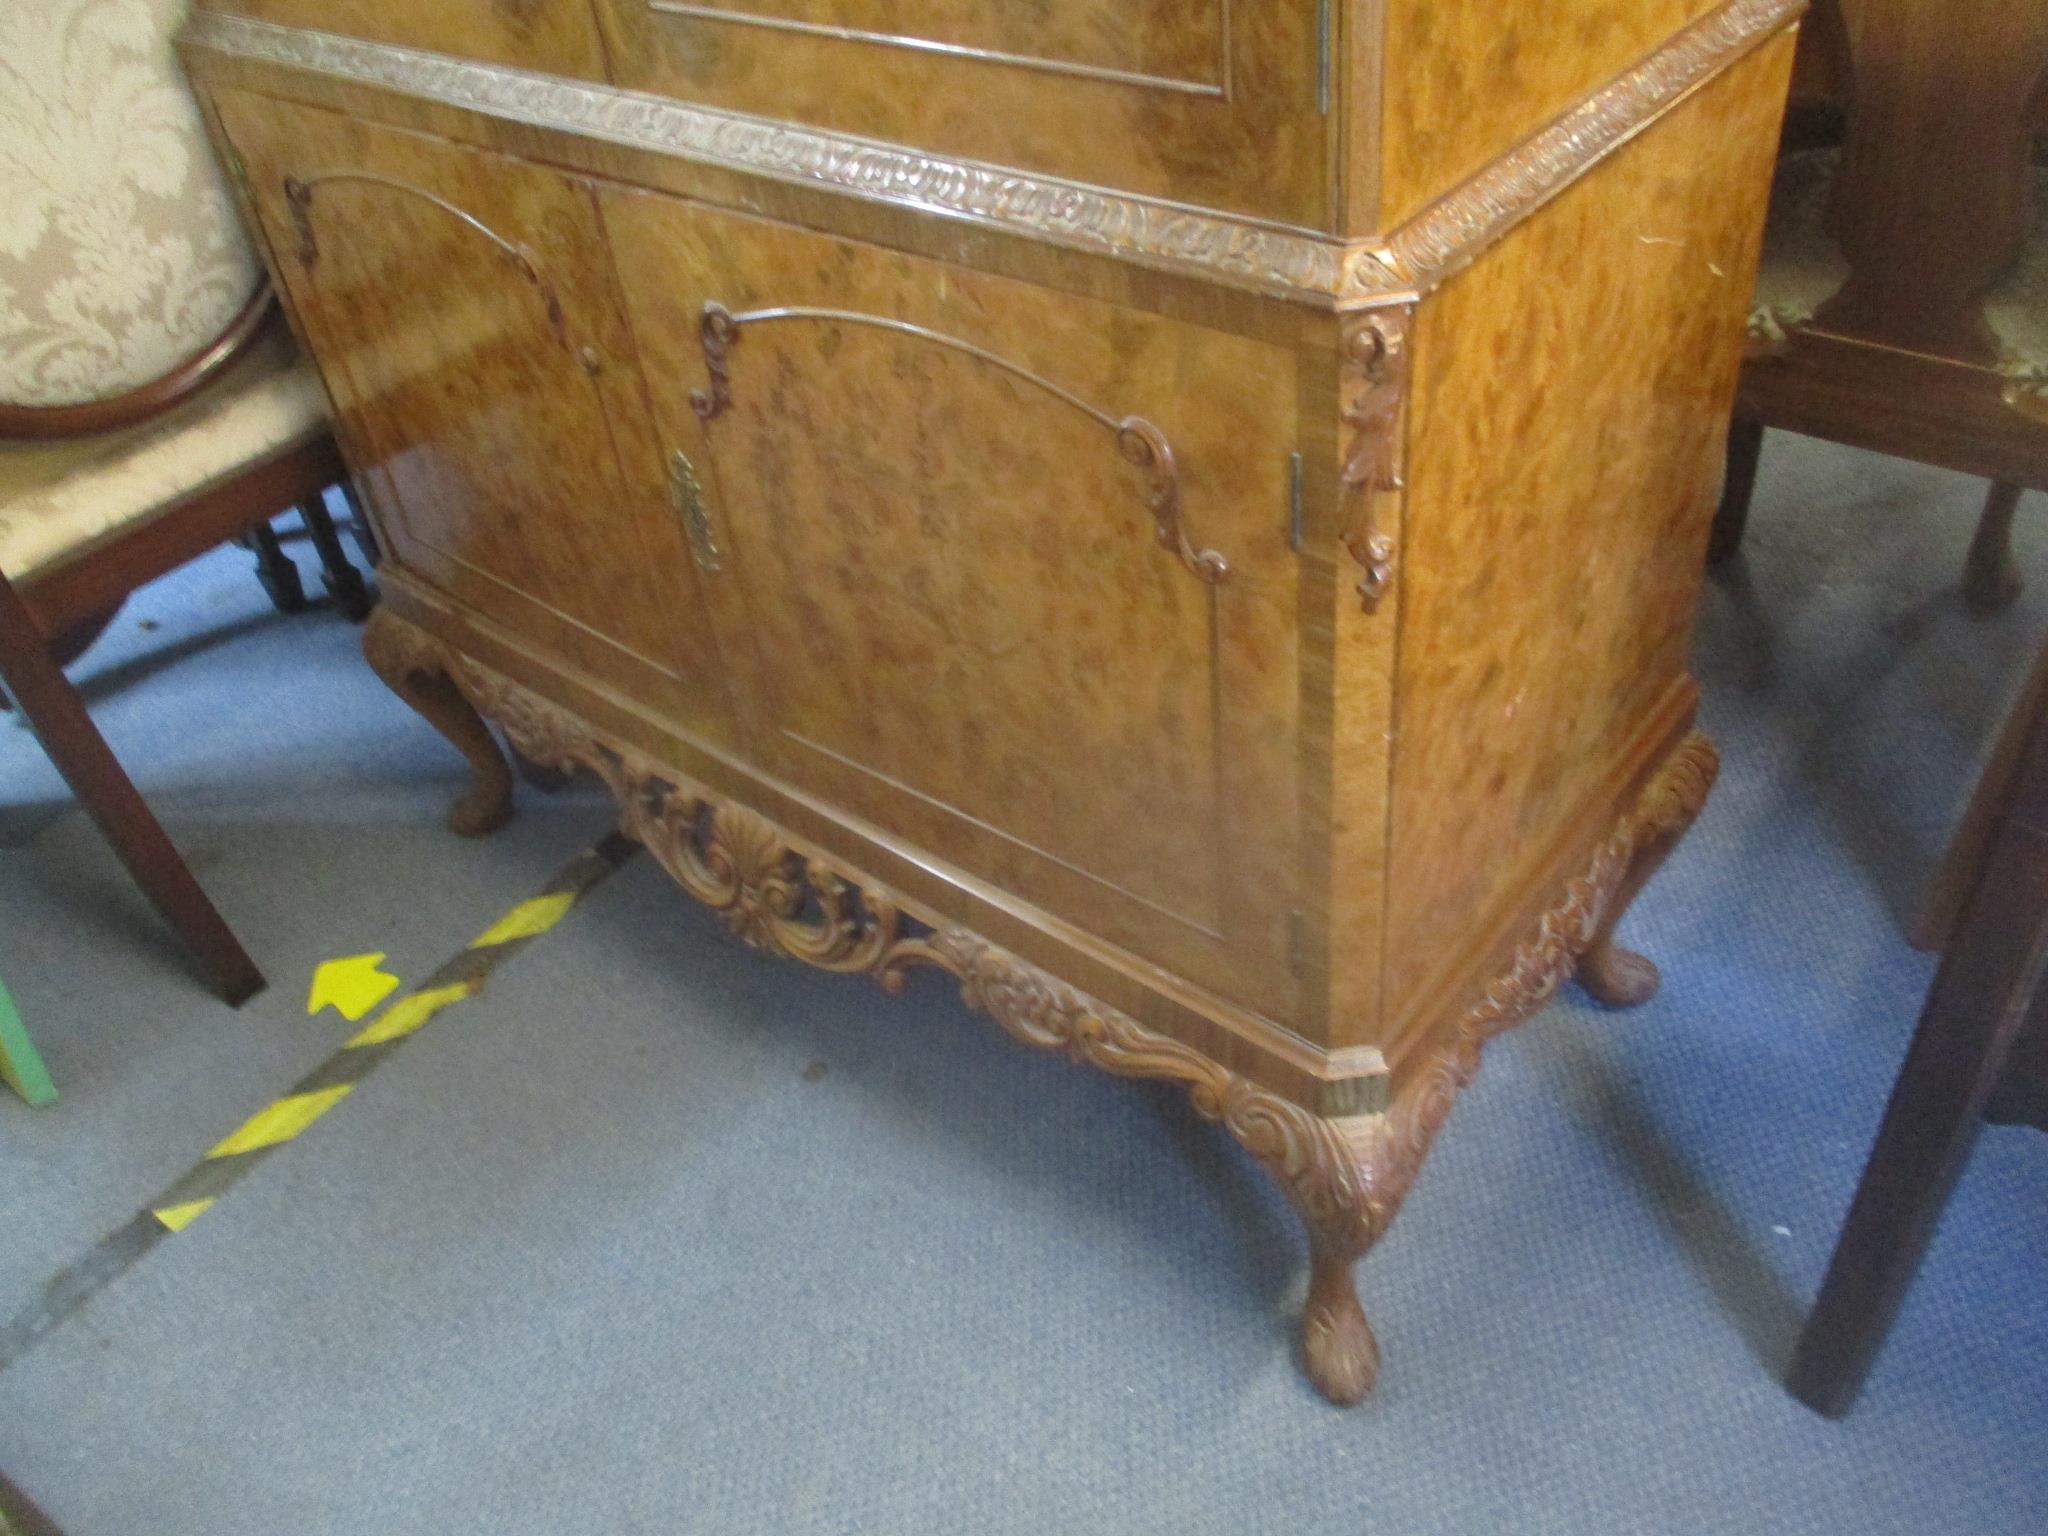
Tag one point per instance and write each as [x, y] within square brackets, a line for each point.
[1346, 1173]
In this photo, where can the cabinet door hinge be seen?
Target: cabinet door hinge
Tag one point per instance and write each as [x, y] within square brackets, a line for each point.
[1324, 53]
[689, 499]
[1297, 941]
[1294, 502]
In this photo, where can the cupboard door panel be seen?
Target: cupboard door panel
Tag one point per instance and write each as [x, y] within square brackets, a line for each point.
[1212, 102]
[462, 306]
[1003, 569]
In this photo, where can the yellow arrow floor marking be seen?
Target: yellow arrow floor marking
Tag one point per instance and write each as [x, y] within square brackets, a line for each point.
[351, 985]
[189, 1197]
[281, 1121]
[530, 917]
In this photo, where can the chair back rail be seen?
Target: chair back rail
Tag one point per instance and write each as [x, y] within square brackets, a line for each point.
[149, 400]
[1930, 203]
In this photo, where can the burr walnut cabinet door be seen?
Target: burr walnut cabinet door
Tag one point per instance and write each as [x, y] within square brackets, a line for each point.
[461, 307]
[1216, 102]
[1003, 570]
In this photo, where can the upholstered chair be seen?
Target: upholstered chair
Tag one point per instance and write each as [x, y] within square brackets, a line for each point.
[1902, 299]
[152, 405]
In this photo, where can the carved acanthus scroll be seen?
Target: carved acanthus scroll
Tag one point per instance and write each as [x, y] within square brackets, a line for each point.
[1346, 1176]
[1137, 440]
[1374, 382]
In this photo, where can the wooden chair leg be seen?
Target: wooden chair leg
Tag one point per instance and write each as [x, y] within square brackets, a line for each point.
[67, 645]
[345, 583]
[1991, 581]
[59, 719]
[20, 1067]
[1974, 1011]
[1738, 484]
[274, 568]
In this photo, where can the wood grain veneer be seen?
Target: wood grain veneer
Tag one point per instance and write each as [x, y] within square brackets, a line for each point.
[1242, 653]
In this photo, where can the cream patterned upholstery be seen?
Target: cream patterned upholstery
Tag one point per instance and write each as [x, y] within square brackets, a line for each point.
[2017, 311]
[120, 250]
[1802, 269]
[64, 497]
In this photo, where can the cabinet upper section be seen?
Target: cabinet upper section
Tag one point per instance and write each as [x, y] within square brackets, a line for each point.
[1338, 117]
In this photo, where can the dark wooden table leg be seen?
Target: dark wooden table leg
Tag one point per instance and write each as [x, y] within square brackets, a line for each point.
[2021, 1097]
[1738, 484]
[1974, 1011]
[1991, 578]
[58, 716]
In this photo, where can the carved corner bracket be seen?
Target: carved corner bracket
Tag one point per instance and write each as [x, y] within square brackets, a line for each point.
[1372, 394]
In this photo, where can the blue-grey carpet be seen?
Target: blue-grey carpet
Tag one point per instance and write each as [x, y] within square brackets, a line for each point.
[658, 1236]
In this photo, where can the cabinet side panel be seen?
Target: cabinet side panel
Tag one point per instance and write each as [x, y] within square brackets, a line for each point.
[558, 36]
[1465, 81]
[1568, 419]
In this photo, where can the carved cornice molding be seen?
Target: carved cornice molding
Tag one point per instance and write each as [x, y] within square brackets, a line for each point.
[1294, 263]
[1448, 234]
[1068, 213]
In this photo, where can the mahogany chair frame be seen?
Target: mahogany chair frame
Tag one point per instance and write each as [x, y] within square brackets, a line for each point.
[58, 716]
[1937, 117]
[50, 617]
[74, 593]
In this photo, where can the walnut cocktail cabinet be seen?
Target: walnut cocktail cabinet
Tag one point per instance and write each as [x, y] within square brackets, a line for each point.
[1184, 516]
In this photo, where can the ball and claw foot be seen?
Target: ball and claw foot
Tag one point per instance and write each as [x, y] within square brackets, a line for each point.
[1339, 1351]
[480, 811]
[1617, 977]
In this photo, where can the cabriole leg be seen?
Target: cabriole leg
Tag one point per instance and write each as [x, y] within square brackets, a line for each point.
[1346, 1178]
[1620, 977]
[411, 666]
[1338, 1349]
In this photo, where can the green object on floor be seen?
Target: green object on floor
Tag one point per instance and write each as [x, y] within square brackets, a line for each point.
[20, 1067]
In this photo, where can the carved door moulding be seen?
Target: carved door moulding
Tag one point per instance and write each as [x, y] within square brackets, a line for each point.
[299, 192]
[1293, 262]
[726, 15]
[1138, 440]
